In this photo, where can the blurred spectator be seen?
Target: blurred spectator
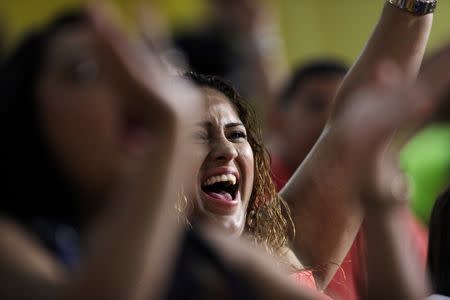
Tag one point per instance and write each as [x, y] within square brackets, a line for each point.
[301, 114]
[304, 108]
[77, 211]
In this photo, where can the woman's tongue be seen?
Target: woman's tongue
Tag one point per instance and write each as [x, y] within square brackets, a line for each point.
[220, 195]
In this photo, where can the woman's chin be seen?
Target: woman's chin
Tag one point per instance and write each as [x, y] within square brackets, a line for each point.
[231, 221]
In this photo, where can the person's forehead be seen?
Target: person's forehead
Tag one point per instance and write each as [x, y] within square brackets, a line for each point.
[70, 41]
[219, 106]
[319, 81]
[325, 86]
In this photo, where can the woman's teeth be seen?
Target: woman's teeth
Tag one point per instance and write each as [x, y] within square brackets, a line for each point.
[220, 178]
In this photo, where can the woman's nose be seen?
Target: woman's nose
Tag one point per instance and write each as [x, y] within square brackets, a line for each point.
[223, 150]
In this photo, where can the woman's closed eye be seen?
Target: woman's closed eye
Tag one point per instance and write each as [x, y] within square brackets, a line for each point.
[200, 137]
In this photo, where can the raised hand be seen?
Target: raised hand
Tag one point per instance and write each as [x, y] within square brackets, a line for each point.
[244, 16]
[381, 119]
[139, 73]
[394, 270]
[365, 129]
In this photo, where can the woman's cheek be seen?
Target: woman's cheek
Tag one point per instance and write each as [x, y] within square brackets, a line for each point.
[247, 167]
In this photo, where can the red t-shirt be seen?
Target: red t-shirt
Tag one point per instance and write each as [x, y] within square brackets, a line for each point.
[350, 282]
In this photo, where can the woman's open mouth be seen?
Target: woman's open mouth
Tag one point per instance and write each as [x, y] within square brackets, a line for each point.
[135, 133]
[220, 193]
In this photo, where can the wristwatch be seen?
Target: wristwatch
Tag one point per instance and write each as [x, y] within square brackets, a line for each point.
[416, 7]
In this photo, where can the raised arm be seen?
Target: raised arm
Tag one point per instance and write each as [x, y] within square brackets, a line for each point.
[394, 270]
[321, 192]
[400, 37]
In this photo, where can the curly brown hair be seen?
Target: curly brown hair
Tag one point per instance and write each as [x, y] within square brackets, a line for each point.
[268, 220]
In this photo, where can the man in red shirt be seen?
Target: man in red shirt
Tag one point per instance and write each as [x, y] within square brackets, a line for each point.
[304, 109]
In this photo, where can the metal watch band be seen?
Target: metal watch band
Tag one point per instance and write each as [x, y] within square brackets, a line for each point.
[416, 7]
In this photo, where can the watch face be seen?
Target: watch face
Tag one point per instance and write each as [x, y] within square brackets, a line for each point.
[417, 7]
[425, 6]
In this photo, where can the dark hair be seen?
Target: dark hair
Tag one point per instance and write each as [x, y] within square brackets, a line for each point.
[269, 220]
[208, 51]
[439, 245]
[322, 67]
[34, 185]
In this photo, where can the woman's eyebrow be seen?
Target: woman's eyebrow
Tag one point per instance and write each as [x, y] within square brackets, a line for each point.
[229, 125]
[204, 124]
[207, 124]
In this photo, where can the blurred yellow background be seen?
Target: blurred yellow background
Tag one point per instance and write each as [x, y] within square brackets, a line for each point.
[310, 28]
